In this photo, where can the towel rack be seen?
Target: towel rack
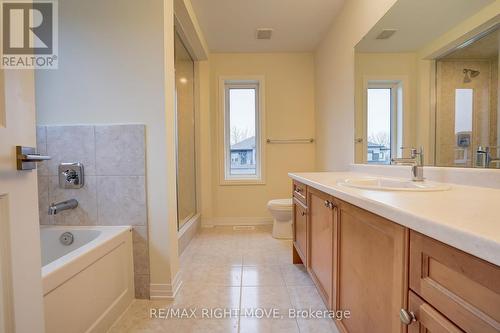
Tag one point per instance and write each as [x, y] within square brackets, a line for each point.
[310, 140]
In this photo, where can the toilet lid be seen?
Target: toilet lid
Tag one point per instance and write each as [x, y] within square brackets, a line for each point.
[280, 203]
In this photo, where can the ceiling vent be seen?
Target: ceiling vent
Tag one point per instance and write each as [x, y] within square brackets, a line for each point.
[386, 34]
[264, 33]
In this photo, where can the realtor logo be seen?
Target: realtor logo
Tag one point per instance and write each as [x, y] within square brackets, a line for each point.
[29, 34]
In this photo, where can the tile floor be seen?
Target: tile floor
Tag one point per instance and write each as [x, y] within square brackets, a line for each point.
[239, 271]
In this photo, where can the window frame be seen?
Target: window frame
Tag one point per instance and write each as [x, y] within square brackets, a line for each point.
[399, 106]
[226, 83]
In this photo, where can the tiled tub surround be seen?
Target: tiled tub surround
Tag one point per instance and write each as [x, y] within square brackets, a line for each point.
[114, 192]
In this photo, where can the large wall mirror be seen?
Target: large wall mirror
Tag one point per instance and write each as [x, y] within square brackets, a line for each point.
[426, 75]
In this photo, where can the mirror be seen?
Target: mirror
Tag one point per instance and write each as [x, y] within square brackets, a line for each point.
[426, 75]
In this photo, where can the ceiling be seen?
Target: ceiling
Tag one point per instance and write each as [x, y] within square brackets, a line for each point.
[418, 23]
[484, 48]
[229, 25]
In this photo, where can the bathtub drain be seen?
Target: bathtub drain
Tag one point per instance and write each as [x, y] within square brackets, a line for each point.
[66, 238]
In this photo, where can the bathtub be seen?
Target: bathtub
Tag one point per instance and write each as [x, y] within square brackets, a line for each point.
[88, 284]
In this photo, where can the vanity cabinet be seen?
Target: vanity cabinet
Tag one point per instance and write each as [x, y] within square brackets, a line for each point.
[320, 263]
[378, 269]
[372, 270]
[462, 287]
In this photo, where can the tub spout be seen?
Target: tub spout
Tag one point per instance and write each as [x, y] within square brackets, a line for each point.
[58, 207]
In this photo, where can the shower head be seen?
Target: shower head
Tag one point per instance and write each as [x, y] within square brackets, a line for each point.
[470, 74]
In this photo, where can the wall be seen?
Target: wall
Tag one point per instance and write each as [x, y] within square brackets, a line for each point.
[289, 108]
[334, 60]
[110, 72]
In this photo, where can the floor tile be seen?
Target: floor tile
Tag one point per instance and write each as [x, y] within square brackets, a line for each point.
[246, 273]
[264, 325]
[295, 275]
[262, 275]
[265, 298]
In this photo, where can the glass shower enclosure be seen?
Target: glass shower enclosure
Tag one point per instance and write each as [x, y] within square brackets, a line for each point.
[185, 133]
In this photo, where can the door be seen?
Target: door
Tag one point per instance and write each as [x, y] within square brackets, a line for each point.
[320, 254]
[300, 229]
[21, 306]
[372, 268]
[186, 133]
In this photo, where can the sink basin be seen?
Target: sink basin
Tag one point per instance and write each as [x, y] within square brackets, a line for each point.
[393, 184]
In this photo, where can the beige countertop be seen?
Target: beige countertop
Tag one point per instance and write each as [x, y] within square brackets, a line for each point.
[465, 217]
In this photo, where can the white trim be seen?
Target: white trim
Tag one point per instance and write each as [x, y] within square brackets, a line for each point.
[230, 221]
[6, 297]
[260, 134]
[165, 290]
[189, 29]
[397, 116]
[187, 232]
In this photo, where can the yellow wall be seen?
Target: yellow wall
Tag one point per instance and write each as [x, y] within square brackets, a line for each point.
[334, 60]
[289, 108]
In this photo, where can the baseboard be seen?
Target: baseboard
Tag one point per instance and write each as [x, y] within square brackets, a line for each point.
[230, 221]
[187, 232]
[165, 290]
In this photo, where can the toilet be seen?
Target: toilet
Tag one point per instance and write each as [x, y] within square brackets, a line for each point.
[281, 210]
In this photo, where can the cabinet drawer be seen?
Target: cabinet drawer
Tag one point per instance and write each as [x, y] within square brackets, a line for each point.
[464, 288]
[427, 318]
[300, 192]
[300, 229]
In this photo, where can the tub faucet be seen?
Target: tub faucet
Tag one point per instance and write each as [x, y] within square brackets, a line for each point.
[58, 207]
[416, 161]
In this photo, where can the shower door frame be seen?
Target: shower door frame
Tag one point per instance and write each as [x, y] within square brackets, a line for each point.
[178, 34]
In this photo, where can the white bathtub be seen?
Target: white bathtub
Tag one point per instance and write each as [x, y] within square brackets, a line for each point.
[89, 283]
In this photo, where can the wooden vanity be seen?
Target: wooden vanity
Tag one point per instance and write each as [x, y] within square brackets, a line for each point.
[386, 274]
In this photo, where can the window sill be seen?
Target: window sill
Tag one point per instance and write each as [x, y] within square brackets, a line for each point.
[235, 182]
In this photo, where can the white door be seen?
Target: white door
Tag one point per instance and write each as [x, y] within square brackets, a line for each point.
[21, 299]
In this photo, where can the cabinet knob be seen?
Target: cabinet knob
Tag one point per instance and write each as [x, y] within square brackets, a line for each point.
[407, 317]
[303, 213]
[329, 204]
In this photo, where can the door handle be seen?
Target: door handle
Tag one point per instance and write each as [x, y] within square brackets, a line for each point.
[27, 158]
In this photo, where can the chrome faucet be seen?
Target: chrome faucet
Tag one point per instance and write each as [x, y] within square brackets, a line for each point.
[416, 161]
[483, 157]
[58, 207]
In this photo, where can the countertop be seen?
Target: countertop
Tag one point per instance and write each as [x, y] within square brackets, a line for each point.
[465, 217]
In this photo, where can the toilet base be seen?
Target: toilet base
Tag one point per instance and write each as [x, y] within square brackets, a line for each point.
[283, 230]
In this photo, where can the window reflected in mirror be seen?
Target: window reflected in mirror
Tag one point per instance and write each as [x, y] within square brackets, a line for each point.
[379, 102]
[384, 114]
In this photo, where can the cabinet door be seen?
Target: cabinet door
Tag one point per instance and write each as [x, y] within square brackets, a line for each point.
[300, 229]
[428, 319]
[320, 259]
[372, 271]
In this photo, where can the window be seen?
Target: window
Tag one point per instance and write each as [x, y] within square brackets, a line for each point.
[242, 131]
[384, 133]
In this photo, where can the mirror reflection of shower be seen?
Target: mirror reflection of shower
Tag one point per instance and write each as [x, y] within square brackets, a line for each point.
[467, 104]
[470, 74]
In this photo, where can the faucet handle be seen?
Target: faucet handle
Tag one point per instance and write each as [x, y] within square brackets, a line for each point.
[414, 151]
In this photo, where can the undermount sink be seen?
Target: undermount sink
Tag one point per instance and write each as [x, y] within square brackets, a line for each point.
[393, 184]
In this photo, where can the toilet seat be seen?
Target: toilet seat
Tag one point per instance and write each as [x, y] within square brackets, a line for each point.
[281, 204]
